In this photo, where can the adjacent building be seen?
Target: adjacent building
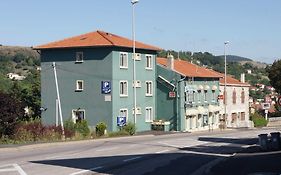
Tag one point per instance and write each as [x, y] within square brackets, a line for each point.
[187, 95]
[235, 101]
[94, 74]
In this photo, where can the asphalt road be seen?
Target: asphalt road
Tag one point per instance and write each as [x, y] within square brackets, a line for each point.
[178, 153]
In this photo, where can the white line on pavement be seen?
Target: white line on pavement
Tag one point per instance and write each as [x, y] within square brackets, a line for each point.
[20, 170]
[7, 170]
[84, 171]
[134, 158]
[210, 154]
[163, 151]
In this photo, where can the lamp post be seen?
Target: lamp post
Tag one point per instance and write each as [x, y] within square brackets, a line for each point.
[134, 60]
[225, 119]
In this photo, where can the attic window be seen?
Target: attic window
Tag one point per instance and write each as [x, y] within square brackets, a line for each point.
[79, 57]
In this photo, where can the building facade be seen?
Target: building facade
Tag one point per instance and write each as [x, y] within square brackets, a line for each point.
[187, 95]
[235, 102]
[94, 74]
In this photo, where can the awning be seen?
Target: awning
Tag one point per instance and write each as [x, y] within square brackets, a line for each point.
[202, 110]
[213, 108]
[189, 112]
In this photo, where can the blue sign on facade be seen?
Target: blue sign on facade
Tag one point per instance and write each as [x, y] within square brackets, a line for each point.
[121, 120]
[105, 87]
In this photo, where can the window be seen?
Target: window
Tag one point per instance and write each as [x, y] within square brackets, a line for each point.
[213, 96]
[243, 116]
[78, 115]
[79, 85]
[148, 59]
[123, 88]
[191, 96]
[148, 91]
[234, 97]
[79, 57]
[199, 96]
[148, 114]
[205, 95]
[243, 96]
[123, 60]
[123, 113]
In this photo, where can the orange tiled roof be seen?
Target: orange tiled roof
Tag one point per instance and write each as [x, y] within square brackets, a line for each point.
[188, 69]
[96, 39]
[230, 80]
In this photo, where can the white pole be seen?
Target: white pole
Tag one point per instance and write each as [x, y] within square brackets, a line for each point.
[225, 118]
[134, 60]
[57, 112]
[58, 98]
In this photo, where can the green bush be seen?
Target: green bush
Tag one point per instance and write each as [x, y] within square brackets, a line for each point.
[82, 128]
[130, 128]
[100, 128]
[259, 120]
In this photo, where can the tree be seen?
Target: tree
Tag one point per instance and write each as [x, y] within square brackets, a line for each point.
[11, 110]
[274, 73]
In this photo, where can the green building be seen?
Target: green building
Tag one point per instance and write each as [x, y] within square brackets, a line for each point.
[187, 95]
[94, 74]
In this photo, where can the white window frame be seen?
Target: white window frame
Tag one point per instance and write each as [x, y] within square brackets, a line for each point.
[125, 60]
[77, 56]
[148, 88]
[123, 110]
[77, 85]
[149, 62]
[213, 96]
[151, 117]
[199, 96]
[205, 95]
[126, 88]
[74, 117]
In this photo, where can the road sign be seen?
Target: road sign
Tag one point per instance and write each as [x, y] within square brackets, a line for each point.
[172, 94]
[121, 121]
[105, 87]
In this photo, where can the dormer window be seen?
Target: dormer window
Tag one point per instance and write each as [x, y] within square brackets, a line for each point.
[79, 57]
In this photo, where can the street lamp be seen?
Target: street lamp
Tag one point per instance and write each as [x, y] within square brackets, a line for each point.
[225, 119]
[134, 60]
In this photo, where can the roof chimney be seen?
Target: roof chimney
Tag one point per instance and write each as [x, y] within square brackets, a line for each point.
[170, 64]
[243, 77]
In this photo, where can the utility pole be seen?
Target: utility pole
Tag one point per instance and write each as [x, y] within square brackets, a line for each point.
[225, 118]
[58, 99]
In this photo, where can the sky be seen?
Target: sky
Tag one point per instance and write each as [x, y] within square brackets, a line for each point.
[252, 27]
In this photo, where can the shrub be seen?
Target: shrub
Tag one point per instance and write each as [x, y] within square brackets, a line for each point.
[259, 120]
[69, 128]
[82, 128]
[100, 128]
[130, 128]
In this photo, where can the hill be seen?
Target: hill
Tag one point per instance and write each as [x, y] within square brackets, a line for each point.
[235, 58]
[17, 59]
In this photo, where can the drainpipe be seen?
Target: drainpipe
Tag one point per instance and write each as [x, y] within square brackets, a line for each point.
[178, 96]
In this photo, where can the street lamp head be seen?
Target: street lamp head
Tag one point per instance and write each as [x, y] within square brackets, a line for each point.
[226, 42]
[134, 1]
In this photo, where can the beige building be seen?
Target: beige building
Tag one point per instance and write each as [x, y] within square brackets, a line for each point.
[235, 102]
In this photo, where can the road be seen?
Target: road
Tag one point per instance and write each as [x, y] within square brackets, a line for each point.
[178, 153]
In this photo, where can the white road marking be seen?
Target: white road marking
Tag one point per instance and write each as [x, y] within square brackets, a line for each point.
[134, 158]
[209, 154]
[84, 171]
[15, 167]
[163, 151]
[20, 170]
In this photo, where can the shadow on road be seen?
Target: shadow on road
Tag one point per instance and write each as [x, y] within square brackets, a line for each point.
[182, 161]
